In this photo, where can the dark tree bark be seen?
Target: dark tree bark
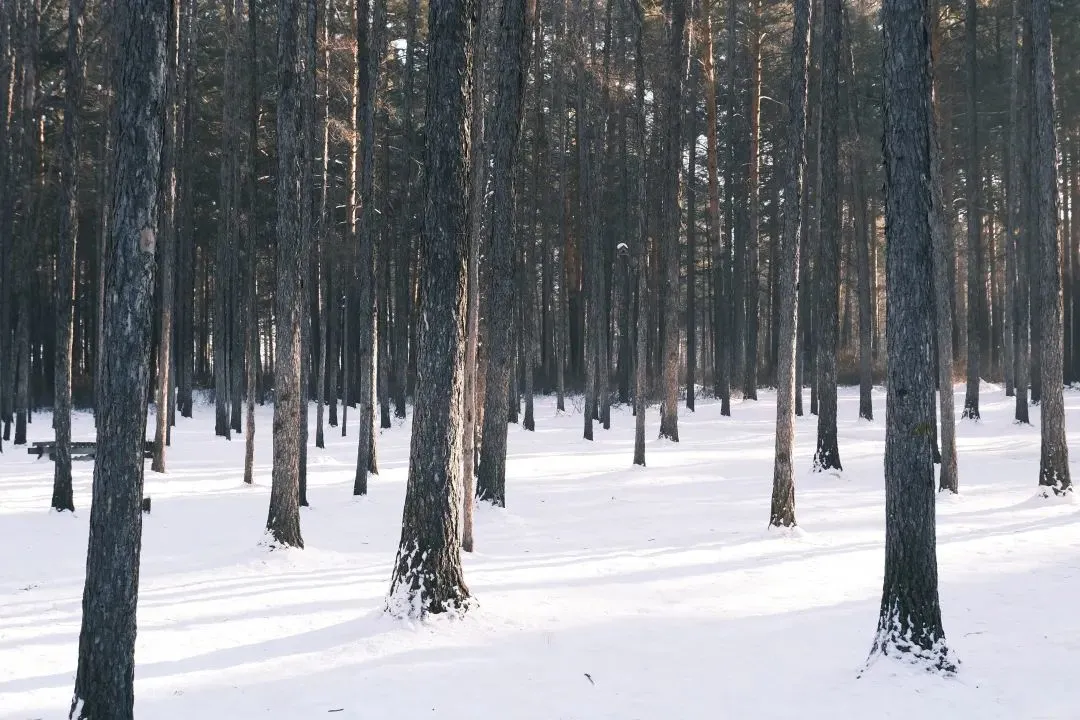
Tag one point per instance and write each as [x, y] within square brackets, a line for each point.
[167, 244]
[251, 315]
[753, 227]
[1019, 201]
[862, 233]
[976, 273]
[691, 249]
[826, 275]
[283, 521]
[708, 79]
[104, 683]
[366, 297]
[909, 625]
[322, 267]
[640, 236]
[428, 576]
[502, 249]
[65, 260]
[782, 511]
[1054, 458]
[675, 77]
[477, 185]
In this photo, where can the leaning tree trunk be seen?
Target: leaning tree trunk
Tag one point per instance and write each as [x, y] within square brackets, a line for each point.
[283, 521]
[502, 248]
[104, 683]
[428, 576]
[827, 454]
[782, 511]
[909, 624]
[65, 259]
[976, 274]
[1054, 459]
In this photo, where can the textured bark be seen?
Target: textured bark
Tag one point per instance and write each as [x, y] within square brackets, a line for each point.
[862, 233]
[366, 298]
[167, 245]
[675, 78]
[640, 236]
[428, 576]
[403, 278]
[909, 624]
[283, 521]
[1018, 134]
[708, 80]
[502, 249]
[827, 281]
[104, 683]
[691, 249]
[944, 251]
[782, 510]
[535, 229]
[1054, 457]
[477, 180]
[753, 227]
[976, 273]
[65, 260]
[251, 316]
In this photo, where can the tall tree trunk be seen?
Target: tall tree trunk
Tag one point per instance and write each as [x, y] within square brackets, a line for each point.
[65, 261]
[782, 510]
[944, 252]
[251, 315]
[167, 242]
[104, 682]
[283, 522]
[322, 239]
[753, 229]
[909, 624]
[691, 246]
[827, 454]
[1054, 458]
[477, 185]
[1021, 238]
[428, 576]
[976, 273]
[366, 299]
[502, 251]
[676, 67]
[708, 80]
[640, 235]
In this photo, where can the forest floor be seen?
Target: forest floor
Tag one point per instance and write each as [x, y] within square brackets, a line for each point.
[604, 591]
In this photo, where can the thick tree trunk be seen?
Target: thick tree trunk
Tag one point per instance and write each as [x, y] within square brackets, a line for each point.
[909, 624]
[827, 454]
[283, 521]
[65, 259]
[104, 683]
[366, 297]
[674, 81]
[428, 576]
[502, 250]
[782, 510]
[1054, 458]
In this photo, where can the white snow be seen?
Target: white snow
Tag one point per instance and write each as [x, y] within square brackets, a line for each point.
[602, 591]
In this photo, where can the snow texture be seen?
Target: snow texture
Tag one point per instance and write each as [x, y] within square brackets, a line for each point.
[603, 592]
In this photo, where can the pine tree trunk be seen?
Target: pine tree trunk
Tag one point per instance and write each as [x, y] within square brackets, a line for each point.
[640, 237]
[827, 453]
[753, 229]
[1054, 458]
[975, 271]
[909, 624]
[428, 576]
[782, 510]
[104, 683]
[502, 251]
[65, 259]
[283, 522]
[674, 82]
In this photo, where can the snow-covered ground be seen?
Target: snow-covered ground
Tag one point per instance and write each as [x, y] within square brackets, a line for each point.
[604, 591]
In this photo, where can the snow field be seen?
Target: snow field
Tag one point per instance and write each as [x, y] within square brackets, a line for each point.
[604, 591]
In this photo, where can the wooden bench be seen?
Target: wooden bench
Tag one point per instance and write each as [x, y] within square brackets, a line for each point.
[79, 450]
